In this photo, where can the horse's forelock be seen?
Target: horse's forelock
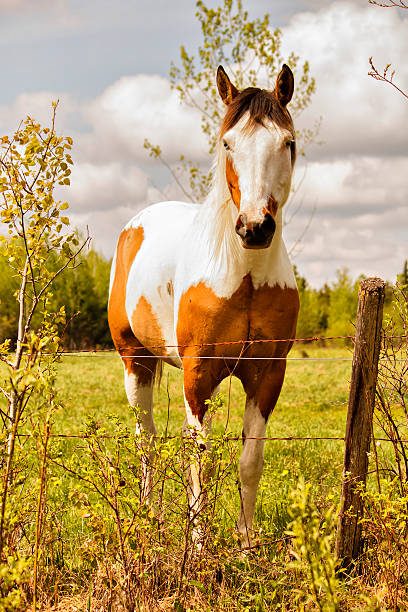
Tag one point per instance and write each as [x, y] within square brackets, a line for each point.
[261, 104]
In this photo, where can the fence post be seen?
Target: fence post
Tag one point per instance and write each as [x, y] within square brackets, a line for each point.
[360, 417]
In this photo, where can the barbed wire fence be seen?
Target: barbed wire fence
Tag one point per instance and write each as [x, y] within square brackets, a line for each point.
[359, 429]
[108, 352]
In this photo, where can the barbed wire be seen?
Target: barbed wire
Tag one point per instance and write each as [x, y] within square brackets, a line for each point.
[110, 352]
[236, 358]
[249, 342]
[226, 438]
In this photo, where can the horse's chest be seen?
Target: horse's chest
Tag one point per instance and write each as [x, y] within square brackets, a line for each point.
[248, 314]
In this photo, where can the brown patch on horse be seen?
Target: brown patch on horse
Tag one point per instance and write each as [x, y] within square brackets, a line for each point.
[249, 314]
[233, 182]
[126, 343]
[129, 244]
[205, 317]
[145, 325]
[273, 315]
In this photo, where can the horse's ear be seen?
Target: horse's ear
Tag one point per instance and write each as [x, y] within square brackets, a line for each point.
[285, 84]
[226, 89]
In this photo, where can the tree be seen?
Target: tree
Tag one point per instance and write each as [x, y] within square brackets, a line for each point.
[83, 291]
[343, 305]
[39, 246]
[403, 277]
[309, 315]
[8, 303]
[251, 52]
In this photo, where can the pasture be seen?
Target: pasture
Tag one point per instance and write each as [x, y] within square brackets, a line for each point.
[313, 403]
[102, 547]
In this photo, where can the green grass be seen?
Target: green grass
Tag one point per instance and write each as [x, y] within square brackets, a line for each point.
[313, 403]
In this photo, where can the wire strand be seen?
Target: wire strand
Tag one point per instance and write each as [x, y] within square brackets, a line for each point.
[226, 437]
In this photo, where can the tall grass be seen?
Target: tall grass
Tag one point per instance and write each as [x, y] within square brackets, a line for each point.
[102, 546]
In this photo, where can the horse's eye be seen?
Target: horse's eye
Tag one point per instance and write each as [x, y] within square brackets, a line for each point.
[290, 143]
[226, 145]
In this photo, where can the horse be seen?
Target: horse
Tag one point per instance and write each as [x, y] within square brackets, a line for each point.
[209, 287]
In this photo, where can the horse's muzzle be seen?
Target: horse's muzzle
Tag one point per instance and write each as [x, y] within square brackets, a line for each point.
[255, 235]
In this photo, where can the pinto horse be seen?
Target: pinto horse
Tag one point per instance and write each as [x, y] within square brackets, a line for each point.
[201, 286]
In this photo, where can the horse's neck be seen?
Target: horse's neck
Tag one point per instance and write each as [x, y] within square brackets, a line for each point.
[229, 262]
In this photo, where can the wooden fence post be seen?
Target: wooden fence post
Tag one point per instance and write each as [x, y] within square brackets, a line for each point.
[360, 417]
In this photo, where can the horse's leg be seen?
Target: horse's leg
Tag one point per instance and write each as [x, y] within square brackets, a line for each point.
[198, 387]
[139, 379]
[262, 395]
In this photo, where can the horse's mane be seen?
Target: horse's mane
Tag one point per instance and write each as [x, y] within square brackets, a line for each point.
[218, 212]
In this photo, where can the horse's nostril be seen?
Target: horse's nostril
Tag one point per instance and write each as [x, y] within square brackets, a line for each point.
[268, 225]
[240, 226]
[241, 221]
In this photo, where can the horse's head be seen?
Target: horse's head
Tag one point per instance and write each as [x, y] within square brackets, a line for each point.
[259, 139]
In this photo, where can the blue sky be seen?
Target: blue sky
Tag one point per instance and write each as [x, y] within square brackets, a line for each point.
[108, 64]
[83, 46]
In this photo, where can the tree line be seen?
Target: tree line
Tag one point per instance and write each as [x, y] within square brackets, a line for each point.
[83, 292]
[331, 310]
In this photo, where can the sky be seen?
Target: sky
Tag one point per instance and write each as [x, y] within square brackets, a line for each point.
[108, 64]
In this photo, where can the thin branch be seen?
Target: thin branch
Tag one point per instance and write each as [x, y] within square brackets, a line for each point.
[385, 76]
[163, 161]
[4, 359]
[392, 3]
[26, 248]
[299, 239]
[52, 136]
[4, 392]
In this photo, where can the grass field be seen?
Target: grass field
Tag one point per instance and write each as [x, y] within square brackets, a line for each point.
[312, 400]
[313, 403]
[80, 540]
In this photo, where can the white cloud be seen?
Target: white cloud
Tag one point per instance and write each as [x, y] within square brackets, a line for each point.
[356, 178]
[366, 244]
[138, 107]
[38, 106]
[106, 186]
[360, 115]
[354, 184]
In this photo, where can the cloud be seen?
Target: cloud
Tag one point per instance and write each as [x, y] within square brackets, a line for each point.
[17, 5]
[365, 244]
[38, 106]
[138, 107]
[360, 115]
[353, 185]
[107, 186]
[355, 179]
